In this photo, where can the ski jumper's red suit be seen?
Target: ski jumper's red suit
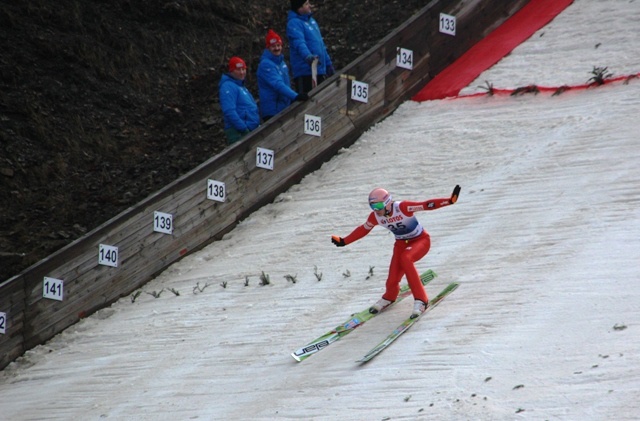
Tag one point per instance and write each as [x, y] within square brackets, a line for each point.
[412, 243]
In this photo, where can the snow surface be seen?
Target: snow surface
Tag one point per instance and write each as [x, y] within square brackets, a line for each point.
[545, 242]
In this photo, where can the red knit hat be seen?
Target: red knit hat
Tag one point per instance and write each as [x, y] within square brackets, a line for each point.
[272, 38]
[236, 63]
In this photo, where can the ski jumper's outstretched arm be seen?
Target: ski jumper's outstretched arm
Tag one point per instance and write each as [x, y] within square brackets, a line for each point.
[430, 204]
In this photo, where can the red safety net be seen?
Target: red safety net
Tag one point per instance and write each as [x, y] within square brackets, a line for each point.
[515, 30]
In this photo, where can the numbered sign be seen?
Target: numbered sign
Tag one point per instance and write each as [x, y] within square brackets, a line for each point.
[163, 222]
[360, 91]
[52, 288]
[264, 158]
[312, 125]
[108, 255]
[447, 24]
[3, 323]
[404, 58]
[216, 190]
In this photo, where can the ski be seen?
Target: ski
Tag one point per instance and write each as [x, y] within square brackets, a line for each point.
[404, 326]
[356, 320]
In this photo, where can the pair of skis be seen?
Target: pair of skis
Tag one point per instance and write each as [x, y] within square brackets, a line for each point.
[358, 319]
[404, 326]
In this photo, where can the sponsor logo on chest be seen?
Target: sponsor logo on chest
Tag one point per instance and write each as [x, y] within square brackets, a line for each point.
[392, 219]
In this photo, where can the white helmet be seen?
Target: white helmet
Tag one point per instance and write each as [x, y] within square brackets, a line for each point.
[380, 199]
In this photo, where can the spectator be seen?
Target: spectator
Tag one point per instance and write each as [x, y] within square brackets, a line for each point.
[306, 45]
[239, 109]
[274, 86]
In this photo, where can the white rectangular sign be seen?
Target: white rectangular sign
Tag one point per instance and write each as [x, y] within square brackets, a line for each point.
[264, 158]
[312, 125]
[108, 255]
[162, 222]
[447, 24]
[360, 91]
[52, 288]
[3, 323]
[216, 190]
[404, 58]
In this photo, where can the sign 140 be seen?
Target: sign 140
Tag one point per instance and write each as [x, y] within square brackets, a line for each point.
[108, 255]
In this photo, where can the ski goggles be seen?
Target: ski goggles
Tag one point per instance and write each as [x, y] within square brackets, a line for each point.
[377, 206]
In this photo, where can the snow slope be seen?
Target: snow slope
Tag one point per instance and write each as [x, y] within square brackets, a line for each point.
[545, 241]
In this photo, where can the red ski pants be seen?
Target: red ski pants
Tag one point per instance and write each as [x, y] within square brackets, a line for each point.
[405, 253]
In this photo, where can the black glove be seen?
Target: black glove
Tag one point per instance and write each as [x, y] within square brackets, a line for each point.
[455, 194]
[302, 97]
[338, 241]
[330, 70]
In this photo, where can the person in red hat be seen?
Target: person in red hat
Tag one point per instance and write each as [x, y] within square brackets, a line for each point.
[412, 242]
[239, 108]
[274, 86]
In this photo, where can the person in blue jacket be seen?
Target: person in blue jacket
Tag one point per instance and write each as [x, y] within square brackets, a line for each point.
[274, 86]
[239, 109]
[306, 45]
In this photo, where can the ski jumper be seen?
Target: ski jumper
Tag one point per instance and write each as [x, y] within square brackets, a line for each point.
[412, 243]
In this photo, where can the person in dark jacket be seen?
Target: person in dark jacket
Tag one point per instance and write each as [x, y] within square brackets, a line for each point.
[274, 85]
[306, 46]
[239, 109]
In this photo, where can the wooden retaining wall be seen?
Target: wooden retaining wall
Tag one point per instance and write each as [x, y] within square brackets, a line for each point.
[81, 285]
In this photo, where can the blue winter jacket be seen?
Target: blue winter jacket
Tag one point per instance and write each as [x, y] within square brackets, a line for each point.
[239, 109]
[305, 39]
[274, 86]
